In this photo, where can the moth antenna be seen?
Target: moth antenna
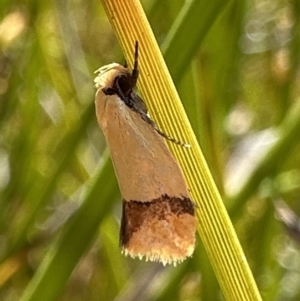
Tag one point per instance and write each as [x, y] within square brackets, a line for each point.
[135, 70]
[145, 117]
[172, 139]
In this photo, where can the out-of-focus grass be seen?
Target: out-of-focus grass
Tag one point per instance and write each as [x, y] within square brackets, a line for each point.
[240, 82]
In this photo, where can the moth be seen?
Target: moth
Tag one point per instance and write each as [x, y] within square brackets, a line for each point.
[158, 218]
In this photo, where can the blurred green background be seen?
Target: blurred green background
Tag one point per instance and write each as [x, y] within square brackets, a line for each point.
[236, 67]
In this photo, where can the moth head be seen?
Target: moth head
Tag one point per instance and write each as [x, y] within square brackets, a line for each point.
[111, 74]
[115, 78]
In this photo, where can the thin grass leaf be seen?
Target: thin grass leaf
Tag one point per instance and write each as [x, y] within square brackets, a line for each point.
[195, 19]
[64, 254]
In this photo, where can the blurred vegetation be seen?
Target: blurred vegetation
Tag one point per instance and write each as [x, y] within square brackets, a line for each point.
[240, 87]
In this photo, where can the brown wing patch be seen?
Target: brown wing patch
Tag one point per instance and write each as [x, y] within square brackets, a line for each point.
[161, 230]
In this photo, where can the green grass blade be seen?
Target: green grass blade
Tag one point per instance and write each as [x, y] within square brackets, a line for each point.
[65, 253]
[187, 33]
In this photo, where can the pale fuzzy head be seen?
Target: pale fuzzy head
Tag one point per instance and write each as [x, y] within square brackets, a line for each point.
[107, 74]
